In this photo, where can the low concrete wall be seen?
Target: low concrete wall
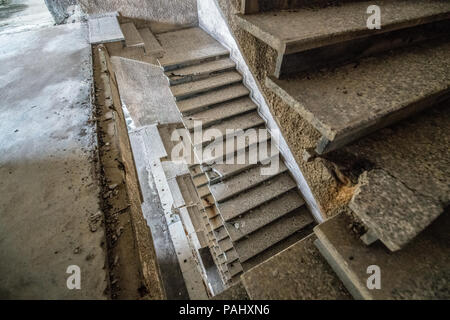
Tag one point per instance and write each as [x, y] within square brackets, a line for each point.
[163, 15]
[212, 21]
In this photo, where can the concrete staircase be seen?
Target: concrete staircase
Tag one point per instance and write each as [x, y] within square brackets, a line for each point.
[248, 215]
[348, 82]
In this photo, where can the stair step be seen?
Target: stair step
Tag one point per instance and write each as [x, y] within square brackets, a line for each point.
[216, 222]
[255, 197]
[265, 237]
[219, 113]
[132, 36]
[187, 47]
[235, 292]
[201, 71]
[202, 102]
[105, 29]
[418, 271]
[203, 191]
[191, 89]
[200, 180]
[234, 268]
[151, 45]
[257, 218]
[297, 273]
[354, 100]
[242, 143]
[278, 247]
[226, 244]
[221, 233]
[218, 172]
[297, 31]
[230, 126]
[231, 255]
[255, 6]
[242, 182]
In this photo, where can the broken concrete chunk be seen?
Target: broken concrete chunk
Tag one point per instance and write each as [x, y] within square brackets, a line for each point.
[397, 214]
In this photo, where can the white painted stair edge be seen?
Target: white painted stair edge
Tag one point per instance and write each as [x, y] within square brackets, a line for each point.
[211, 21]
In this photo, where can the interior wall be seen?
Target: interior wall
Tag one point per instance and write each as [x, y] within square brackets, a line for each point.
[162, 15]
[212, 21]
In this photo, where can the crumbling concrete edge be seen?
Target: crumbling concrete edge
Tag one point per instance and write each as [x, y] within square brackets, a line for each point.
[213, 22]
[143, 241]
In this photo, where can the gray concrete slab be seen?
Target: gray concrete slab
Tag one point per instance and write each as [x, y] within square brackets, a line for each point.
[105, 29]
[297, 273]
[24, 15]
[302, 29]
[48, 179]
[350, 102]
[187, 46]
[146, 107]
[419, 271]
[132, 36]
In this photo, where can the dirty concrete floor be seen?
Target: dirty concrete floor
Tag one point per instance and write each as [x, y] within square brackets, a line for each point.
[24, 15]
[48, 184]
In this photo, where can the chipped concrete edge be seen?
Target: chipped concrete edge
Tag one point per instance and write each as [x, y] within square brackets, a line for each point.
[216, 26]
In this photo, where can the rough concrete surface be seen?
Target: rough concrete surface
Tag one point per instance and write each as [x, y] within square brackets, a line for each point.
[298, 272]
[48, 186]
[419, 271]
[163, 15]
[23, 15]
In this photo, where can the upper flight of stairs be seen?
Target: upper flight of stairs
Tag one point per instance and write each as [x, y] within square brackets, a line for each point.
[249, 215]
[339, 101]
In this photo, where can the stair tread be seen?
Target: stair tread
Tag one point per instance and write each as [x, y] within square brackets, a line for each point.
[257, 218]
[296, 273]
[351, 101]
[273, 233]
[105, 29]
[151, 44]
[234, 186]
[132, 36]
[191, 72]
[239, 145]
[220, 171]
[225, 244]
[182, 91]
[425, 260]
[219, 112]
[195, 104]
[187, 46]
[235, 292]
[306, 28]
[240, 122]
[257, 196]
